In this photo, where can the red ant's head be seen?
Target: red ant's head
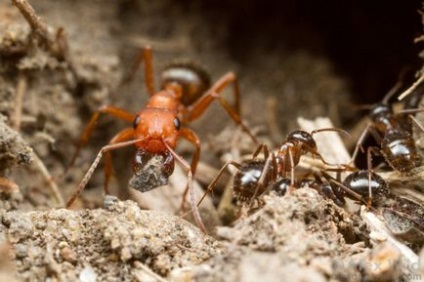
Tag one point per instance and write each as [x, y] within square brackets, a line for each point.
[154, 127]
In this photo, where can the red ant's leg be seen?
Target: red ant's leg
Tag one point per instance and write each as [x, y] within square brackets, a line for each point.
[93, 166]
[192, 137]
[216, 179]
[196, 110]
[194, 208]
[111, 110]
[7, 185]
[124, 135]
[146, 55]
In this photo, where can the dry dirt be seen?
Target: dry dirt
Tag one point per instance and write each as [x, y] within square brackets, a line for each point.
[49, 87]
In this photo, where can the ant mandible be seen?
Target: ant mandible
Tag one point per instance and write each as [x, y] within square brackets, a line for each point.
[185, 94]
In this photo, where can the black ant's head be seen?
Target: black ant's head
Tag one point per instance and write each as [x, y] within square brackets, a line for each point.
[192, 78]
[381, 111]
[304, 138]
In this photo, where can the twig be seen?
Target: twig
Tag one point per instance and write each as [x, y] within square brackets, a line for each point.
[38, 26]
[50, 181]
[20, 92]
[150, 272]
[412, 88]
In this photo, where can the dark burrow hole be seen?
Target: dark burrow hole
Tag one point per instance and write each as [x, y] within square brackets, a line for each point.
[368, 42]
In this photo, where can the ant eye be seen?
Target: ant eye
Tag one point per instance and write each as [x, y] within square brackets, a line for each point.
[136, 121]
[177, 123]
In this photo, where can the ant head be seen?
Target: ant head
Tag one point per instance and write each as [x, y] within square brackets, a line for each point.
[359, 183]
[192, 78]
[304, 138]
[380, 110]
[155, 127]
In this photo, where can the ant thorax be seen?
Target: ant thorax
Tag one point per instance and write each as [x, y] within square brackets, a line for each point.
[288, 157]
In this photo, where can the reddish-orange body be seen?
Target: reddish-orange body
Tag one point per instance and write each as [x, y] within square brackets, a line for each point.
[156, 122]
[185, 94]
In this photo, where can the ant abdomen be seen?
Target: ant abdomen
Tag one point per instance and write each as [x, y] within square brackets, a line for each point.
[359, 183]
[399, 149]
[192, 78]
[245, 184]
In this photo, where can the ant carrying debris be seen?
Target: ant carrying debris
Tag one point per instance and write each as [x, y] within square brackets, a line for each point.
[184, 96]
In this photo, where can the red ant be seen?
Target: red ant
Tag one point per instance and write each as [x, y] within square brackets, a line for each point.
[184, 96]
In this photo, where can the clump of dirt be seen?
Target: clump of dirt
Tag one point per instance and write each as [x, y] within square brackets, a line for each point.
[51, 85]
[113, 242]
[13, 149]
[299, 237]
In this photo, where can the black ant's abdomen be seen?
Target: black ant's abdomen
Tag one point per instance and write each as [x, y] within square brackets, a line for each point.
[246, 180]
[399, 150]
[359, 183]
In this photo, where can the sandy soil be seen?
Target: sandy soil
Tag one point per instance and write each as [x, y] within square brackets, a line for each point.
[51, 82]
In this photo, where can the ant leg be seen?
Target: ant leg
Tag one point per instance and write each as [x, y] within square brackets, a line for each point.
[111, 110]
[146, 55]
[196, 110]
[415, 121]
[8, 186]
[339, 184]
[124, 135]
[192, 137]
[217, 177]
[291, 171]
[194, 208]
[376, 151]
[93, 166]
[270, 163]
[359, 143]
[259, 149]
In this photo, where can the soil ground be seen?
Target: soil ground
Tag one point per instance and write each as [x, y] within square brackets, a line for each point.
[49, 88]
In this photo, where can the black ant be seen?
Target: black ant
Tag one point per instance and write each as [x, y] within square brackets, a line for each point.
[249, 174]
[393, 133]
[184, 96]
[403, 216]
[255, 176]
[328, 190]
[297, 144]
